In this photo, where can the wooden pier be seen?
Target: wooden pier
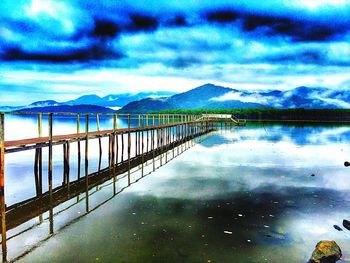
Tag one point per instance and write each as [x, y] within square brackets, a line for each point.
[154, 136]
[227, 118]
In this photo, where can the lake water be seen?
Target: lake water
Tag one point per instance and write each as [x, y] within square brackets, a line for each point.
[261, 193]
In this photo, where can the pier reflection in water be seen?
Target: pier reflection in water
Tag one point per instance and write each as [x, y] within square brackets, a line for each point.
[31, 234]
[240, 195]
[150, 142]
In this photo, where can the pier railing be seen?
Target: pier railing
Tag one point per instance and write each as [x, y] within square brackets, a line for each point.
[143, 138]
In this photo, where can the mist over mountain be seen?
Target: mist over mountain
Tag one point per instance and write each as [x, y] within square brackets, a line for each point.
[116, 100]
[113, 101]
[69, 108]
[210, 96]
[200, 97]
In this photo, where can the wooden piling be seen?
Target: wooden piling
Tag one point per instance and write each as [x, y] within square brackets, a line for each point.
[100, 144]
[114, 152]
[50, 155]
[79, 147]
[136, 144]
[142, 145]
[152, 147]
[122, 137]
[38, 163]
[87, 162]
[129, 149]
[64, 145]
[2, 188]
[68, 167]
[50, 171]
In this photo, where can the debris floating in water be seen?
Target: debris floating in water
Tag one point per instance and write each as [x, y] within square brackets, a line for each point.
[346, 224]
[313, 175]
[228, 232]
[337, 227]
[240, 215]
[346, 164]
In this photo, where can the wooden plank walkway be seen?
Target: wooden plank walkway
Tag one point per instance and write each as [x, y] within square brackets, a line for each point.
[39, 142]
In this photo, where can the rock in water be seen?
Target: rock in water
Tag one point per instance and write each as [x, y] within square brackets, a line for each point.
[346, 224]
[326, 251]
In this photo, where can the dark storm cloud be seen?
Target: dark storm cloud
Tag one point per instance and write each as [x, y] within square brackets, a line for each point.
[93, 53]
[241, 42]
[105, 29]
[222, 16]
[177, 21]
[91, 30]
[297, 28]
[142, 22]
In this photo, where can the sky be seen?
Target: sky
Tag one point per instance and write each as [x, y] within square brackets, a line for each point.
[56, 49]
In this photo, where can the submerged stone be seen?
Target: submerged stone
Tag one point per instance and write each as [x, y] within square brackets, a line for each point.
[326, 251]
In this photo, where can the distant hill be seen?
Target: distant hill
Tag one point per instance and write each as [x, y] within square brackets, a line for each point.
[70, 108]
[200, 97]
[207, 96]
[211, 96]
[44, 103]
[117, 100]
[86, 100]
[113, 101]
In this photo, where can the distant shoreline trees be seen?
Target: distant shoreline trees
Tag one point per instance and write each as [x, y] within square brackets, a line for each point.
[273, 114]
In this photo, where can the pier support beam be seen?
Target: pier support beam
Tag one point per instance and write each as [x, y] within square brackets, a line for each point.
[2, 188]
[87, 162]
[50, 172]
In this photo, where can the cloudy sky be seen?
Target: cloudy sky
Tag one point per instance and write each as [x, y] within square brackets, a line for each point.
[56, 49]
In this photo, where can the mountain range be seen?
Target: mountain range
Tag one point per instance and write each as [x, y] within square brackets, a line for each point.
[112, 101]
[208, 96]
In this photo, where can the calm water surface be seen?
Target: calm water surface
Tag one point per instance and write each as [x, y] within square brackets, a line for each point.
[241, 195]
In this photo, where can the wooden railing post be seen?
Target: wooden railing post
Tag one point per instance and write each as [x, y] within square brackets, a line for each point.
[40, 133]
[100, 144]
[79, 148]
[87, 162]
[38, 164]
[2, 188]
[129, 147]
[113, 143]
[50, 171]
[142, 145]
[114, 151]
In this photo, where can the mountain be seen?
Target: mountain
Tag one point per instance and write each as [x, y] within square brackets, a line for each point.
[205, 96]
[117, 100]
[44, 103]
[217, 97]
[113, 101]
[69, 108]
[86, 99]
[200, 97]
